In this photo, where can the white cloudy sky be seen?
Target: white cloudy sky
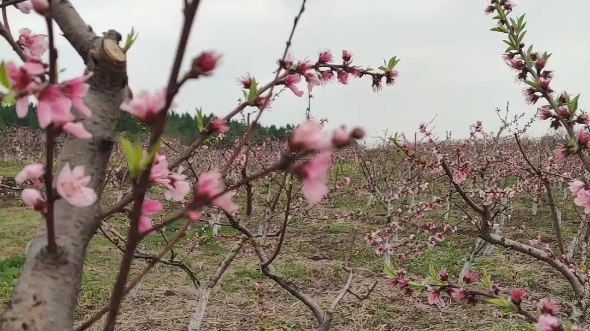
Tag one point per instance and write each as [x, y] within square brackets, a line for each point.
[450, 68]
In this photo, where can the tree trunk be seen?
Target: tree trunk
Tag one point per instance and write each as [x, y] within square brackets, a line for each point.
[47, 291]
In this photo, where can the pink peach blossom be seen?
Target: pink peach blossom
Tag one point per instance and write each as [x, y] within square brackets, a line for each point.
[341, 137]
[309, 135]
[193, 216]
[576, 186]
[343, 77]
[548, 323]
[33, 199]
[77, 130]
[562, 153]
[145, 107]
[72, 186]
[314, 175]
[25, 6]
[435, 299]
[218, 126]
[75, 90]
[291, 83]
[582, 199]
[548, 307]
[31, 171]
[312, 79]
[159, 171]
[177, 188]
[325, 57]
[209, 186]
[24, 84]
[32, 44]
[346, 56]
[148, 208]
[53, 106]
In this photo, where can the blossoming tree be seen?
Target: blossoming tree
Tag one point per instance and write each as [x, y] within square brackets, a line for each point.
[68, 187]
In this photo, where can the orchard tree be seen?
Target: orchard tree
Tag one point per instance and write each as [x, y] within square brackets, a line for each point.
[480, 178]
[67, 188]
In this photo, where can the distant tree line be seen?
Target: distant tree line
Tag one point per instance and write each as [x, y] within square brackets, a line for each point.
[178, 126]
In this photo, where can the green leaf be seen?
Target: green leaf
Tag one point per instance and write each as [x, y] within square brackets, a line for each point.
[499, 29]
[391, 63]
[521, 37]
[529, 51]
[486, 280]
[200, 125]
[500, 302]
[389, 270]
[521, 21]
[513, 41]
[532, 84]
[435, 281]
[4, 78]
[546, 56]
[416, 286]
[369, 69]
[152, 154]
[133, 159]
[253, 91]
[131, 38]
[432, 272]
[501, 13]
[9, 98]
[514, 24]
[394, 138]
[382, 68]
[573, 105]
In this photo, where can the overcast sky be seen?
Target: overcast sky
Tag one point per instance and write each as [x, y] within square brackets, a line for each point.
[450, 62]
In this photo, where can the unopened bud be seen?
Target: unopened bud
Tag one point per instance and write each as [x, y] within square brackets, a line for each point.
[340, 138]
[40, 6]
[357, 133]
[204, 64]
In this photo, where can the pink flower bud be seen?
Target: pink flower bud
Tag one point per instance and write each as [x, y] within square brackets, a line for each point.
[346, 56]
[217, 126]
[357, 133]
[582, 119]
[516, 296]
[40, 6]
[584, 138]
[204, 64]
[325, 57]
[548, 307]
[340, 138]
[443, 274]
[30, 171]
[544, 113]
[470, 277]
[33, 198]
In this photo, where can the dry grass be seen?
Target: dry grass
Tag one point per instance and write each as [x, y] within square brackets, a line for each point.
[167, 298]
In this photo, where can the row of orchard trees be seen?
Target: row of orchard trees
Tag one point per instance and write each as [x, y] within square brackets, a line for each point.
[180, 126]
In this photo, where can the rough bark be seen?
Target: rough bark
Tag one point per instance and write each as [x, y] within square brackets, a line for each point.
[47, 291]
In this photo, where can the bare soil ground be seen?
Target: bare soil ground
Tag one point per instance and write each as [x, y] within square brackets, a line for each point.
[312, 259]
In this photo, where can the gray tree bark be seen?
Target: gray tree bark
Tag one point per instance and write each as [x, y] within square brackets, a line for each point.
[47, 291]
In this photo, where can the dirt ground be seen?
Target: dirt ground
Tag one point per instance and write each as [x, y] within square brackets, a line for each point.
[312, 259]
